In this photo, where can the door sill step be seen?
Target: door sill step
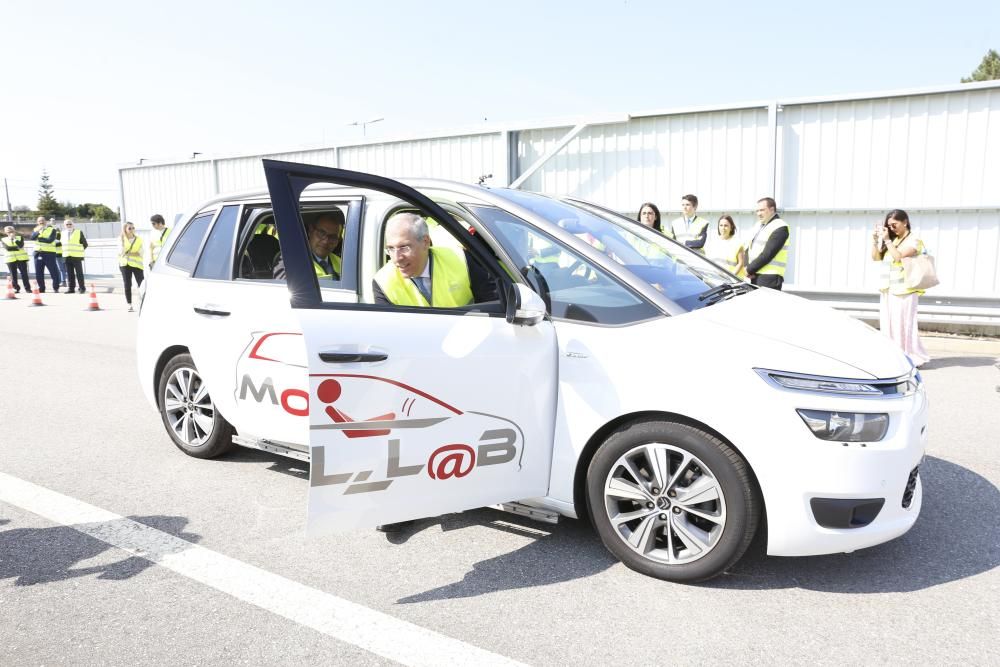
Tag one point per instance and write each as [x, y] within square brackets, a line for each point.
[280, 448]
[536, 513]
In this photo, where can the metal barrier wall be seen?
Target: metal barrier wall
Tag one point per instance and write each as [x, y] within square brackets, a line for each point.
[835, 166]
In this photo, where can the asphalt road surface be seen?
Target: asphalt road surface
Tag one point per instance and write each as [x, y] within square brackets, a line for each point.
[115, 548]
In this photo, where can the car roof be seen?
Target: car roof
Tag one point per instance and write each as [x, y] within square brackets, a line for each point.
[456, 187]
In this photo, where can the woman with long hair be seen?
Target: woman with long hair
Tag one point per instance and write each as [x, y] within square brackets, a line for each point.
[726, 248]
[130, 260]
[893, 241]
[649, 215]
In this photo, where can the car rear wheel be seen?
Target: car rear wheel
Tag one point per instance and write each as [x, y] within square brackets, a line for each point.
[188, 412]
[671, 501]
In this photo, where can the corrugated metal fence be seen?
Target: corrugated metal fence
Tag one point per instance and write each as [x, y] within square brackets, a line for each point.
[834, 165]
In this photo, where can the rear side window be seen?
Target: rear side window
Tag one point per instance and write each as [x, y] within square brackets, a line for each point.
[184, 254]
[216, 258]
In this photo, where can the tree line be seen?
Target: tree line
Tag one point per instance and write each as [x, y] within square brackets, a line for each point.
[50, 207]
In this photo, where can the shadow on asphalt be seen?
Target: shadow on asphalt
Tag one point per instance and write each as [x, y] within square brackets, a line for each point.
[958, 362]
[563, 552]
[956, 536]
[34, 556]
[279, 463]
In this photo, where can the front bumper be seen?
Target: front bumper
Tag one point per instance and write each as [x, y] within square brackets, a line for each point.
[831, 497]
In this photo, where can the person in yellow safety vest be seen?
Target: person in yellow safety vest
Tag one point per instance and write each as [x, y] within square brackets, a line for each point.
[44, 236]
[74, 246]
[421, 275]
[767, 256]
[325, 234]
[16, 257]
[690, 229]
[130, 260]
[727, 248]
[892, 242]
[160, 234]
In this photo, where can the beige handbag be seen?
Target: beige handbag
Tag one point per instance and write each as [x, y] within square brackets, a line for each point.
[919, 272]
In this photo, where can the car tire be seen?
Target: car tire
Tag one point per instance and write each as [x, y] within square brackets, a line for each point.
[188, 413]
[671, 501]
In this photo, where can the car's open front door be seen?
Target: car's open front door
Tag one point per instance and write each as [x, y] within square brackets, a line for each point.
[413, 412]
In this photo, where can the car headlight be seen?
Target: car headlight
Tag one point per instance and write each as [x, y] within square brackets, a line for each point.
[846, 426]
[826, 385]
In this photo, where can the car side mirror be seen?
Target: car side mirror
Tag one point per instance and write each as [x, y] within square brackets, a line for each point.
[524, 307]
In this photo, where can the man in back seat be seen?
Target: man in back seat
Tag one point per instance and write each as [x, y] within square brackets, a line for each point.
[325, 234]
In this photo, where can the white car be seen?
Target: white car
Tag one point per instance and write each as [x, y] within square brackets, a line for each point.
[614, 375]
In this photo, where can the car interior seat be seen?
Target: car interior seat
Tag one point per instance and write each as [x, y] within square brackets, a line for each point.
[264, 252]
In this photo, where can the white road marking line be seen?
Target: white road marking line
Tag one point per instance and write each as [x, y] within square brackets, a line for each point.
[341, 619]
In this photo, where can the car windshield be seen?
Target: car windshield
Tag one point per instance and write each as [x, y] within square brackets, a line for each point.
[683, 276]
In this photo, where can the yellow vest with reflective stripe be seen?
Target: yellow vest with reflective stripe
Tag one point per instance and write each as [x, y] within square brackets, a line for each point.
[156, 245]
[681, 232]
[74, 244]
[893, 275]
[321, 272]
[450, 287]
[46, 240]
[777, 265]
[15, 254]
[727, 253]
[131, 254]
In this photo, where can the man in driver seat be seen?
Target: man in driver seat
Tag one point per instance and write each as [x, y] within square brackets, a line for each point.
[423, 275]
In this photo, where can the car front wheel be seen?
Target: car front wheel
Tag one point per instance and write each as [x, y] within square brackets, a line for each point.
[188, 412]
[671, 501]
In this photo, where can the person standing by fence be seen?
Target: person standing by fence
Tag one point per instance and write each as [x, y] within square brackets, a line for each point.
[160, 234]
[767, 256]
[44, 236]
[892, 241]
[726, 249]
[74, 246]
[130, 260]
[690, 229]
[16, 257]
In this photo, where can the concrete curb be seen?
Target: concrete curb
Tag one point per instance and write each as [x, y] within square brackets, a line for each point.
[957, 344]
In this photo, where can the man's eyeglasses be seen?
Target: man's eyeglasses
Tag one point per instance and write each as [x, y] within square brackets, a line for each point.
[326, 236]
[398, 250]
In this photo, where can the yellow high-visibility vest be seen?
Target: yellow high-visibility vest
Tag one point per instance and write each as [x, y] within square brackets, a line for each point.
[681, 232]
[727, 253]
[450, 286]
[778, 263]
[74, 244]
[156, 245]
[15, 254]
[46, 240]
[321, 272]
[131, 253]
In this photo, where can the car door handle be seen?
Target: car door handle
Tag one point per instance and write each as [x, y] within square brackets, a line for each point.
[352, 357]
[210, 309]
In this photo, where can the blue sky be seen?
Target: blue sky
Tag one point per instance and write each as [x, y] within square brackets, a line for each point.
[99, 84]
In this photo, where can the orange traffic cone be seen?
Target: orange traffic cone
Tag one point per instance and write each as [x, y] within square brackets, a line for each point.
[10, 288]
[36, 298]
[93, 299]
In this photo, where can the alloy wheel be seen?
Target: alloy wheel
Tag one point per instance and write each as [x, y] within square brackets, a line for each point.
[665, 504]
[188, 407]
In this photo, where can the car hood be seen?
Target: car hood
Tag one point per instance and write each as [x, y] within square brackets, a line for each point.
[810, 326]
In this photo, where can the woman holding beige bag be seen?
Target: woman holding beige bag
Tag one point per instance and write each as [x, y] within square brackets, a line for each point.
[892, 243]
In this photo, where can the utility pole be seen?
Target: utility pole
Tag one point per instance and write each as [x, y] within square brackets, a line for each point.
[10, 214]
